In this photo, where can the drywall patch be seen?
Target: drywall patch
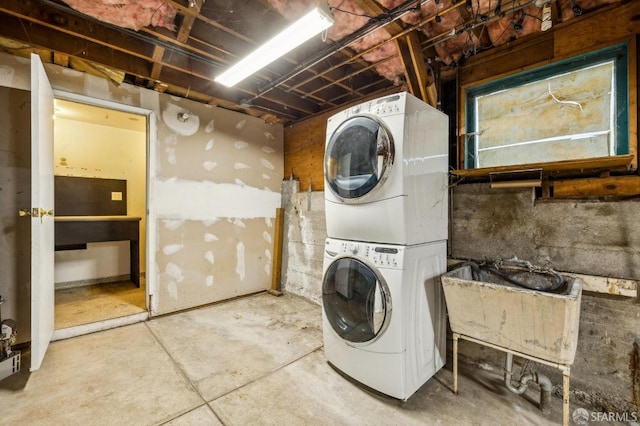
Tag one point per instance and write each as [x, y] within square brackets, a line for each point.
[239, 166]
[171, 155]
[210, 126]
[172, 224]
[269, 136]
[6, 76]
[150, 99]
[241, 124]
[209, 237]
[172, 288]
[209, 165]
[240, 265]
[266, 176]
[239, 223]
[268, 149]
[266, 163]
[240, 144]
[172, 248]
[266, 236]
[180, 120]
[97, 88]
[209, 280]
[174, 272]
[239, 182]
[209, 256]
[267, 254]
[269, 222]
[209, 145]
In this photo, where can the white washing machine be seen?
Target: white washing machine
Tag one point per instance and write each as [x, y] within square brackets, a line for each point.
[386, 172]
[384, 313]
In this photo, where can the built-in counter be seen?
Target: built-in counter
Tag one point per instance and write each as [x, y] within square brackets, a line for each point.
[74, 232]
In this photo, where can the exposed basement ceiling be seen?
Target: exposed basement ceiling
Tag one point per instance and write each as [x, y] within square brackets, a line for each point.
[179, 46]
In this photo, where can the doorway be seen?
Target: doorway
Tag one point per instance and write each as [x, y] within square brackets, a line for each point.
[97, 146]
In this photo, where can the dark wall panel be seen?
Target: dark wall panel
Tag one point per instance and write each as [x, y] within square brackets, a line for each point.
[81, 196]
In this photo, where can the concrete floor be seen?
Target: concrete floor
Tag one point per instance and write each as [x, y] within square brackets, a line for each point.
[252, 360]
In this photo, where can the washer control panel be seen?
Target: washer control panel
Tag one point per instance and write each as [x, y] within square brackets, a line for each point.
[384, 256]
[383, 106]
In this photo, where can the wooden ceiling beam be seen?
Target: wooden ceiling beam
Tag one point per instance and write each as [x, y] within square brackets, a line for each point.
[109, 56]
[182, 37]
[413, 60]
[426, 89]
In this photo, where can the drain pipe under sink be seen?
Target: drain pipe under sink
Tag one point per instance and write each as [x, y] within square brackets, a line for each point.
[545, 384]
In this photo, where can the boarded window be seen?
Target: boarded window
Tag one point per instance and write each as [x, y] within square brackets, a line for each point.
[572, 110]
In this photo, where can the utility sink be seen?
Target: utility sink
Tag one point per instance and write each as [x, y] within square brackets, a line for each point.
[533, 322]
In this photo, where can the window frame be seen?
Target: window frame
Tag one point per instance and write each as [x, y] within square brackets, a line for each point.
[619, 53]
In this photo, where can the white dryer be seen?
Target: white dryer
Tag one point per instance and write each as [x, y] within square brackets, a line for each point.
[386, 172]
[384, 313]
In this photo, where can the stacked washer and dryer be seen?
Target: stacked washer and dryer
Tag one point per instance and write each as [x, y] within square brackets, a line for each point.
[386, 202]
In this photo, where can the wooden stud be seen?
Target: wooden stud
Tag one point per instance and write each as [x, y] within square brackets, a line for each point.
[276, 268]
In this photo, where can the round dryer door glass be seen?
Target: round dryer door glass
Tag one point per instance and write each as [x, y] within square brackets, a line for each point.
[356, 300]
[358, 157]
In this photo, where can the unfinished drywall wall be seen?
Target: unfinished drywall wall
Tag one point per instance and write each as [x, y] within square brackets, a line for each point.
[214, 188]
[15, 194]
[93, 150]
[217, 188]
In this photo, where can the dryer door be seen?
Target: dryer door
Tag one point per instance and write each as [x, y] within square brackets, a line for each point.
[356, 300]
[358, 158]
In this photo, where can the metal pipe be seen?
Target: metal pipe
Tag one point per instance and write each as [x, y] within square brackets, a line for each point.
[524, 380]
[545, 384]
[546, 387]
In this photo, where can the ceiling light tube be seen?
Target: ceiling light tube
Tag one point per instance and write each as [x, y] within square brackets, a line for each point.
[314, 22]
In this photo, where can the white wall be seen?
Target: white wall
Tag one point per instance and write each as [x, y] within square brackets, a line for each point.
[97, 151]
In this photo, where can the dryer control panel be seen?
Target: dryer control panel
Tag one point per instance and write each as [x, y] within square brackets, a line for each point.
[388, 105]
[383, 256]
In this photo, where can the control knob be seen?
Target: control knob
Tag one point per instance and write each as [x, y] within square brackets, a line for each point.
[353, 248]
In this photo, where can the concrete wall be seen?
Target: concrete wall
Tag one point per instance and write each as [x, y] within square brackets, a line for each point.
[214, 187]
[585, 237]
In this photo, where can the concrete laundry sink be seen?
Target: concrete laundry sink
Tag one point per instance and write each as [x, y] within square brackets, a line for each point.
[537, 323]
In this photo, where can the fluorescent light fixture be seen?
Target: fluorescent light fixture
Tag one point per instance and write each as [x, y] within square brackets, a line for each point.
[314, 22]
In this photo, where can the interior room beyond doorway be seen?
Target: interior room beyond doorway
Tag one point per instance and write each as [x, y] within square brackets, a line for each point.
[95, 147]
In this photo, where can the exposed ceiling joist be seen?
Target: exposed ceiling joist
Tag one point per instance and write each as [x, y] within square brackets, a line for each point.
[376, 46]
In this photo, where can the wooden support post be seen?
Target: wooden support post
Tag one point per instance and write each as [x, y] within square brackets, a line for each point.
[276, 267]
[455, 362]
[565, 396]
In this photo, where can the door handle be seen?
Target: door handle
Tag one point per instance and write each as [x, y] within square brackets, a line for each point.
[29, 212]
[35, 212]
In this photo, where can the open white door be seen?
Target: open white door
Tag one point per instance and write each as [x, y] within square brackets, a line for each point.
[42, 223]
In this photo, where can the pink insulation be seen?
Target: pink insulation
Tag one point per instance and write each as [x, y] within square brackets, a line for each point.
[566, 12]
[349, 18]
[133, 14]
[515, 25]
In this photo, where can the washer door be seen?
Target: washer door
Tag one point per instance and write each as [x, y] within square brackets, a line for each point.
[356, 300]
[358, 158]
